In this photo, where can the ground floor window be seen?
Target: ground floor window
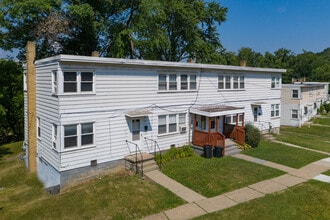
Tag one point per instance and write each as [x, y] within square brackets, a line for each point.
[171, 123]
[294, 113]
[77, 135]
[275, 110]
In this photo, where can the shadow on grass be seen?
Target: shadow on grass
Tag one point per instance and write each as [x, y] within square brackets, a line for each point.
[4, 151]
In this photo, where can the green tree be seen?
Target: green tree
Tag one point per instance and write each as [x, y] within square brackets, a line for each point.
[11, 101]
[252, 58]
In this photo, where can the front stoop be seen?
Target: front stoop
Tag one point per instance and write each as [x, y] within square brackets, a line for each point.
[231, 148]
[141, 164]
[268, 137]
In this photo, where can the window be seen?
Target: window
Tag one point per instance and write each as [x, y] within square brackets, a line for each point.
[182, 120]
[227, 82]
[305, 110]
[162, 85]
[38, 128]
[86, 82]
[172, 123]
[169, 123]
[70, 82]
[294, 113]
[162, 124]
[275, 82]
[193, 82]
[295, 93]
[172, 83]
[231, 82]
[184, 82]
[177, 82]
[54, 80]
[78, 135]
[231, 119]
[87, 134]
[54, 131]
[315, 105]
[275, 110]
[77, 82]
[70, 136]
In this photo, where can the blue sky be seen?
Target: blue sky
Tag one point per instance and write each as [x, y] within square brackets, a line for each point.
[268, 25]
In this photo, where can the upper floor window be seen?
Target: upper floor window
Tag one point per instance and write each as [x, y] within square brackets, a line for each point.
[295, 93]
[177, 81]
[231, 82]
[77, 82]
[276, 81]
[54, 80]
[275, 110]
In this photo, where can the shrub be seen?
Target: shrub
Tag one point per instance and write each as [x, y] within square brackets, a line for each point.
[175, 153]
[252, 135]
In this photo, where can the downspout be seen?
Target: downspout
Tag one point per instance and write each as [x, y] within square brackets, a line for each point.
[31, 106]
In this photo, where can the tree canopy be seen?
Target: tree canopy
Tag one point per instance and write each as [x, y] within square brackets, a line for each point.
[169, 30]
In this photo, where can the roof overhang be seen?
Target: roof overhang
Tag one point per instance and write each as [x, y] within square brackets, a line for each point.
[217, 110]
[138, 113]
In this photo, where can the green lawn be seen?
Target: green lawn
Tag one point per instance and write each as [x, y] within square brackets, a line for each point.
[327, 173]
[116, 196]
[211, 177]
[314, 137]
[322, 120]
[285, 155]
[309, 200]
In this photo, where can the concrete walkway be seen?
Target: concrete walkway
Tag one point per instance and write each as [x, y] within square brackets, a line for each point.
[199, 205]
[305, 148]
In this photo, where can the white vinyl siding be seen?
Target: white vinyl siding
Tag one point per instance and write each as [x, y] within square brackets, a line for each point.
[54, 136]
[38, 128]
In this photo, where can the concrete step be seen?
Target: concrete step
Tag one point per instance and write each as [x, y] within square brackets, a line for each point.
[232, 151]
[268, 137]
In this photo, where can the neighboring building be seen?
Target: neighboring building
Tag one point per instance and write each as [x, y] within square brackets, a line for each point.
[91, 112]
[300, 101]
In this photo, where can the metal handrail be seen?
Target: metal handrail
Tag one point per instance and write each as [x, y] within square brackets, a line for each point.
[155, 150]
[137, 149]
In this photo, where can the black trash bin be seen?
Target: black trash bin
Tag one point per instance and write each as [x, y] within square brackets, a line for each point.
[208, 151]
[217, 151]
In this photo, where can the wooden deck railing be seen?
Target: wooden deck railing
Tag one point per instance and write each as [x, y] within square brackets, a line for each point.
[238, 134]
[202, 138]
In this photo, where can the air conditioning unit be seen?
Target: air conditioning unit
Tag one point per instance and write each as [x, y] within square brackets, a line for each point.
[182, 129]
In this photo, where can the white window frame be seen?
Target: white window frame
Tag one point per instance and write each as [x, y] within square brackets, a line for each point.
[275, 110]
[293, 93]
[78, 82]
[172, 82]
[54, 136]
[294, 114]
[231, 82]
[54, 82]
[275, 82]
[38, 128]
[176, 119]
[79, 135]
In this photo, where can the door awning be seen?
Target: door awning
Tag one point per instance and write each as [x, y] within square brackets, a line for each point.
[216, 110]
[258, 103]
[138, 113]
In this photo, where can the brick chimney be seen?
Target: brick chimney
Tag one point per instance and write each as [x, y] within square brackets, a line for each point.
[242, 63]
[31, 106]
[95, 53]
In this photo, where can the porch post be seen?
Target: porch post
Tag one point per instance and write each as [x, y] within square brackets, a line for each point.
[217, 124]
[195, 121]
